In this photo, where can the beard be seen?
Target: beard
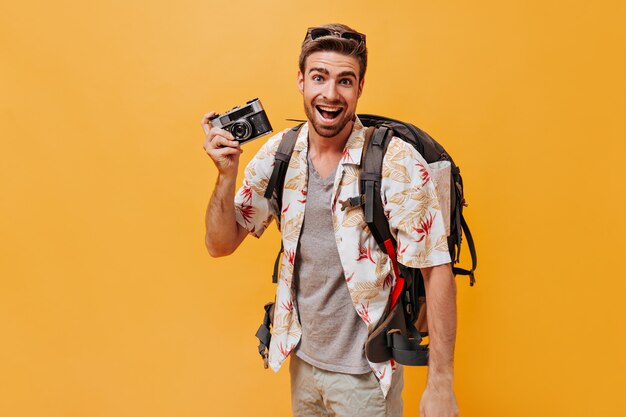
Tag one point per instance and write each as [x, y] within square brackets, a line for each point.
[323, 127]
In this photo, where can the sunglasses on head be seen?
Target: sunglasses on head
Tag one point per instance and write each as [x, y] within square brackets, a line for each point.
[316, 33]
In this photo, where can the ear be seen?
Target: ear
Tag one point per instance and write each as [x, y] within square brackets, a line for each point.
[361, 84]
[300, 82]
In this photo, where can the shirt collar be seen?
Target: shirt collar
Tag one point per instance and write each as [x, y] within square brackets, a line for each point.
[354, 146]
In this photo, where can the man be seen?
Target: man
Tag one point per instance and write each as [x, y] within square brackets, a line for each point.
[334, 281]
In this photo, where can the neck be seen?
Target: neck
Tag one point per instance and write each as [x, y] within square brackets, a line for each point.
[334, 144]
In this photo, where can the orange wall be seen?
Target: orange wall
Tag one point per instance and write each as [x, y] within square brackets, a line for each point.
[109, 304]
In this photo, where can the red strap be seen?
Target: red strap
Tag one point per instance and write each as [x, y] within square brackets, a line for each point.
[397, 290]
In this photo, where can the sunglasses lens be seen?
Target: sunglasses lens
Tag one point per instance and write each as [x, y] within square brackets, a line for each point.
[319, 32]
[352, 36]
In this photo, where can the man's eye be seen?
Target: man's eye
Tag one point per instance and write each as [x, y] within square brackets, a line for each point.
[346, 81]
[317, 78]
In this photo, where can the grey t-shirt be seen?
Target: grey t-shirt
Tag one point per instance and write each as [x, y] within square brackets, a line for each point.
[333, 335]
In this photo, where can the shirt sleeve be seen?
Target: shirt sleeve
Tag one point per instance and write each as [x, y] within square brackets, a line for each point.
[412, 207]
[252, 210]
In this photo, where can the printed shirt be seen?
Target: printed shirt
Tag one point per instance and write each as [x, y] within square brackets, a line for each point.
[410, 203]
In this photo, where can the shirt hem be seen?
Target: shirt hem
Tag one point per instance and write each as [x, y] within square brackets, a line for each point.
[430, 261]
[332, 368]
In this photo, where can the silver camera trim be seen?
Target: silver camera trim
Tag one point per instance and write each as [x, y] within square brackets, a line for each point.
[253, 107]
[256, 105]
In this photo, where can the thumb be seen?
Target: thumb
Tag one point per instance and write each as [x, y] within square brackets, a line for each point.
[206, 122]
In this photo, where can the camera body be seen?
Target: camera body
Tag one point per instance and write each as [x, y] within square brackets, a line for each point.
[245, 123]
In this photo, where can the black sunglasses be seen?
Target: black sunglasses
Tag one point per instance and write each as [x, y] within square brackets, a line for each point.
[316, 33]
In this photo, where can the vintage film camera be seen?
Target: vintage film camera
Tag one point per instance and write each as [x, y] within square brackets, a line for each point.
[244, 123]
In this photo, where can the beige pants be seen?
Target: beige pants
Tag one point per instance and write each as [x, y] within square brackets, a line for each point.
[316, 392]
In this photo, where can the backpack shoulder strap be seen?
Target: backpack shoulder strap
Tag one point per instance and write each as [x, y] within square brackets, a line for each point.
[472, 249]
[277, 179]
[370, 185]
[281, 163]
[376, 142]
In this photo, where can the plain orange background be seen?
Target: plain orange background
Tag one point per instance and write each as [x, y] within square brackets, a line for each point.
[110, 305]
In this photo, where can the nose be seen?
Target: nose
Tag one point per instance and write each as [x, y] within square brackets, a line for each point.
[330, 92]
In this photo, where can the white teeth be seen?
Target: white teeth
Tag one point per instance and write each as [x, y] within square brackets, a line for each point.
[331, 109]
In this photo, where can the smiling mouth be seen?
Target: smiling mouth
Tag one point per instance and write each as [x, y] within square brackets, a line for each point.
[329, 112]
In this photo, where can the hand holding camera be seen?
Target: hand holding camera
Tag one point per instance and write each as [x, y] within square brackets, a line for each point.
[225, 133]
[221, 146]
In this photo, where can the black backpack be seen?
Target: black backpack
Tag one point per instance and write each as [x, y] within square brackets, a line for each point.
[399, 333]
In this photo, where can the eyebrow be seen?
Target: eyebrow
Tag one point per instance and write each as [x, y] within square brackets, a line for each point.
[341, 74]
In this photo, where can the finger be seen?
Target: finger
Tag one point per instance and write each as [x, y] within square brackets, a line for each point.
[206, 121]
[207, 116]
[221, 142]
[216, 141]
[216, 131]
[224, 152]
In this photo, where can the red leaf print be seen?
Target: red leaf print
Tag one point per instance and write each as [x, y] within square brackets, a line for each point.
[283, 351]
[303, 192]
[349, 278]
[364, 313]
[246, 193]
[291, 256]
[401, 249]
[387, 281]
[287, 306]
[423, 173]
[347, 157]
[426, 223]
[286, 208]
[246, 212]
[365, 253]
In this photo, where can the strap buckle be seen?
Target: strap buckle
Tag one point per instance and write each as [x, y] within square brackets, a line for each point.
[352, 202]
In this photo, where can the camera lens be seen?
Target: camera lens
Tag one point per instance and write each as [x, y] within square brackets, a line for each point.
[241, 129]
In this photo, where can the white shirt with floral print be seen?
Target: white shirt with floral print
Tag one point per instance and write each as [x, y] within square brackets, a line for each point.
[410, 203]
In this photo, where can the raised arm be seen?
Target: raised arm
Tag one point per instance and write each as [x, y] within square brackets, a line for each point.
[223, 233]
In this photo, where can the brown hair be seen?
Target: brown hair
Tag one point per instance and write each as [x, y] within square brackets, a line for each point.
[335, 44]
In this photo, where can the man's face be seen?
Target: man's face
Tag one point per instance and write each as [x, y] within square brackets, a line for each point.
[331, 89]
